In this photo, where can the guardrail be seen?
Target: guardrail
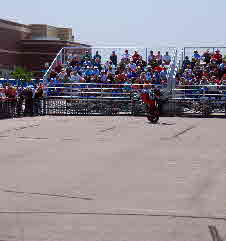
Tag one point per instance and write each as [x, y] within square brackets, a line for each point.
[200, 92]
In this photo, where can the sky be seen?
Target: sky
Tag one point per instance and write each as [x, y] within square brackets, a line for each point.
[143, 23]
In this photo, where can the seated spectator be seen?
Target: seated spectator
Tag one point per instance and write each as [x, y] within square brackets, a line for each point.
[58, 68]
[163, 74]
[151, 57]
[207, 56]
[76, 78]
[126, 57]
[186, 62]
[143, 78]
[97, 56]
[113, 58]
[74, 61]
[2, 93]
[104, 76]
[87, 56]
[159, 57]
[166, 59]
[97, 63]
[132, 66]
[88, 72]
[196, 55]
[217, 57]
[62, 76]
[96, 71]
[222, 68]
[136, 57]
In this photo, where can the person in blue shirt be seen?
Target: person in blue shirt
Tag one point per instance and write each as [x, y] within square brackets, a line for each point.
[156, 77]
[148, 75]
[96, 71]
[88, 71]
[196, 55]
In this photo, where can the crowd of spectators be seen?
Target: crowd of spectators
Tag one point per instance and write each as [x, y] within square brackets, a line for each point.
[21, 101]
[206, 69]
[117, 70]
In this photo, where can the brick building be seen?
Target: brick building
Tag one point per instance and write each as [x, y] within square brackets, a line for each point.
[31, 46]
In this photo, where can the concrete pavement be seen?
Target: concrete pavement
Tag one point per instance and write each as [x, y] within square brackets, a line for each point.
[111, 178]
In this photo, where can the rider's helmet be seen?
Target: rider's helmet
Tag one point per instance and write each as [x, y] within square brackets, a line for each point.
[152, 95]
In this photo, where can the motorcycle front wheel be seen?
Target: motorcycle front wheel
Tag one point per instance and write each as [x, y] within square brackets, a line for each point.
[153, 117]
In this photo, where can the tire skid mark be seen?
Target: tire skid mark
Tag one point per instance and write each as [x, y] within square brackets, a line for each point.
[38, 138]
[179, 133]
[46, 194]
[108, 129]
[18, 129]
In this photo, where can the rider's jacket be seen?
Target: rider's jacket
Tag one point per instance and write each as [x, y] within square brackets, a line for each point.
[148, 97]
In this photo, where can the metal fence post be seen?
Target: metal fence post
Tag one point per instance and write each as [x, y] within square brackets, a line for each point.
[101, 97]
[44, 106]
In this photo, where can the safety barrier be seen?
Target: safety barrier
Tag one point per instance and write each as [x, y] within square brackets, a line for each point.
[95, 98]
[199, 99]
[8, 108]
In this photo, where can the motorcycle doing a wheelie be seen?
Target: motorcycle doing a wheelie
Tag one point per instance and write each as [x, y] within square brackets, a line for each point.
[150, 99]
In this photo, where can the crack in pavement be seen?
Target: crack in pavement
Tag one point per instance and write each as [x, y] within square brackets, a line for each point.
[18, 128]
[39, 138]
[46, 194]
[108, 129]
[183, 132]
[115, 214]
[179, 133]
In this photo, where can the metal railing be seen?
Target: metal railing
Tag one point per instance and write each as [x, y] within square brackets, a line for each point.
[199, 92]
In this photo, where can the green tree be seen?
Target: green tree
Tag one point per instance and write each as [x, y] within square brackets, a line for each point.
[22, 75]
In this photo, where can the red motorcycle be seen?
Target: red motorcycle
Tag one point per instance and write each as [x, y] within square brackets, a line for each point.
[152, 109]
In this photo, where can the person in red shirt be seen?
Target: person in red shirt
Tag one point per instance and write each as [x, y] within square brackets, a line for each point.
[121, 77]
[136, 57]
[158, 68]
[217, 56]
